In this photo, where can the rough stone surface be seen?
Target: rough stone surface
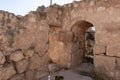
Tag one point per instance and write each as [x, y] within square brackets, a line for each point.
[29, 53]
[102, 61]
[118, 63]
[2, 58]
[18, 77]
[53, 67]
[7, 72]
[113, 50]
[98, 49]
[65, 36]
[105, 67]
[21, 66]
[38, 62]
[57, 53]
[57, 33]
[17, 56]
[41, 74]
[30, 75]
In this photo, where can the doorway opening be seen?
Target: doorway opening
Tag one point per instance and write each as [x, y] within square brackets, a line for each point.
[82, 50]
[89, 44]
[83, 42]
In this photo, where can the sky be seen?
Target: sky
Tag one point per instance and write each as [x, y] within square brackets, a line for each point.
[22, 7]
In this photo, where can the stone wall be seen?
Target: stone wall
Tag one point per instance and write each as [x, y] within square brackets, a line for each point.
[23, 47]
[28, 43]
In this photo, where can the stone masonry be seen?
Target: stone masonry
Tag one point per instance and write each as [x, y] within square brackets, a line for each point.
[57, 33]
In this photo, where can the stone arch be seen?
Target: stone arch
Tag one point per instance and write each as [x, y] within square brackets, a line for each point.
[78, 19]
[78, 49]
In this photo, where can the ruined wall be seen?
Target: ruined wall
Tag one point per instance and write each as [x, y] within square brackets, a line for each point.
[23, 47]
[104, 15]
[27, 43]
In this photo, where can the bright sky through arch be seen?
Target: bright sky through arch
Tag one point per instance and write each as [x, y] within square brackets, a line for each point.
[22, 7]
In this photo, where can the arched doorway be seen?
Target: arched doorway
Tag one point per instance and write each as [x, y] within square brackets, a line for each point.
[78, 54]
[89, 44]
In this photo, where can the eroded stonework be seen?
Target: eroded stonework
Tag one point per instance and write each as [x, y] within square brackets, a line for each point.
[56, 33]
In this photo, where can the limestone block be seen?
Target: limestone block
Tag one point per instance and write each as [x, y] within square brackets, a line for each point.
[32, 37]
[18, 77]
[102, 39]
[2, 58]
[32, 19]
[53, 67]
[99, 49]
[77, 55]
[75, 4]
[16, 56]
[21, 66]
[101, 8]
[30, 75]
[92, 3]
[104, 63]
[113, 75]
[29, 53]
[118, 63]
[65, 36]
[41, 74]
[113, 50]
[13, 18]
[1, 16]
[36, 62]
[7, 72]
[59, 53]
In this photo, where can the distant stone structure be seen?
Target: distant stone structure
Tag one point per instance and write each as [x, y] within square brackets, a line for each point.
[56, 33]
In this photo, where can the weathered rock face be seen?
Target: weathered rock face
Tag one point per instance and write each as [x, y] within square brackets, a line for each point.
[56, 33]
[8, 71]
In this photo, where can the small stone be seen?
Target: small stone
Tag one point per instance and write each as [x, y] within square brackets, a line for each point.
[35, 62]
[7, 72]
[18, 77]
[41, 74]
[53, 67]
[32, 20]
[92, 3]
[1, 16]
[100, 8]
[21, 66]
[2, 58]
[30, 75]
[16, 56]
[113, 50]
[59, 12]
[29, 53]
[75, 4]
[118, 63]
